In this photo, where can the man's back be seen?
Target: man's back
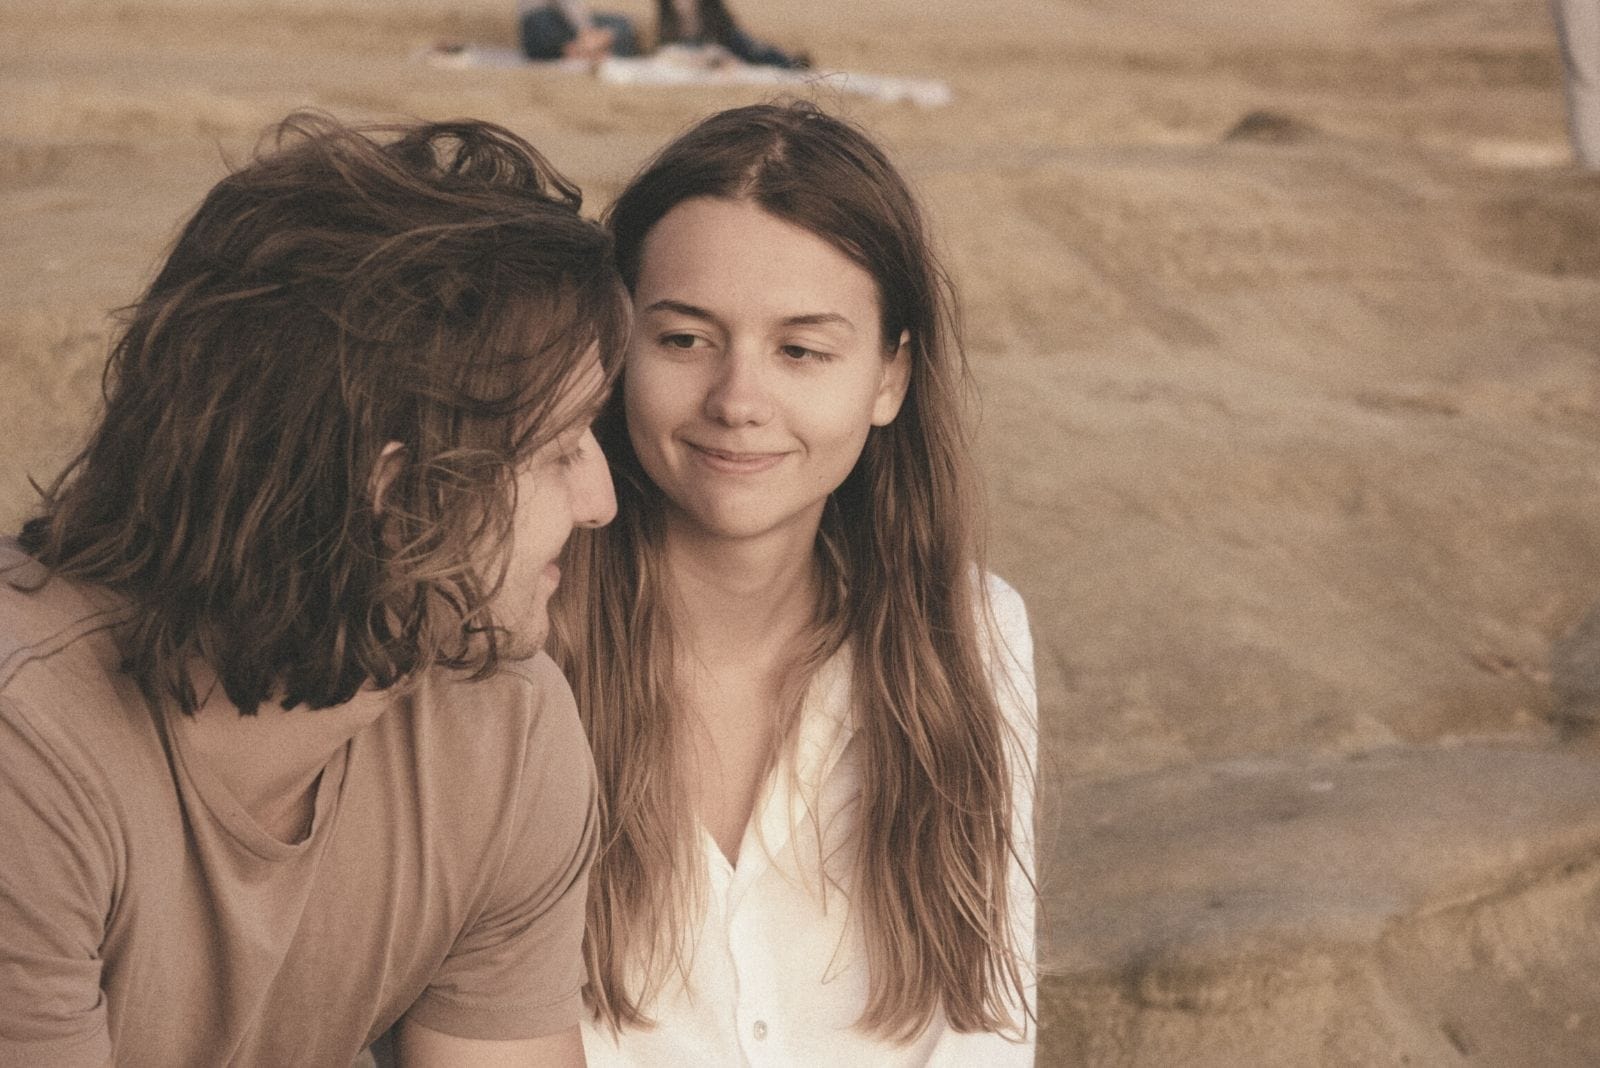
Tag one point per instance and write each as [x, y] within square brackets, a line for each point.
[146, 912]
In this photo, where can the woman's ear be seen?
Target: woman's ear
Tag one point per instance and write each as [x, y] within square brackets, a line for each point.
[391, 459]
[896, 379]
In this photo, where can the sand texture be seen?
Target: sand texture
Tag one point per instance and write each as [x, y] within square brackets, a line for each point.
[1286, 319]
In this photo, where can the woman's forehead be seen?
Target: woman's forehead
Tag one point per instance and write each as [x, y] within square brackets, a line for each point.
[728, 255]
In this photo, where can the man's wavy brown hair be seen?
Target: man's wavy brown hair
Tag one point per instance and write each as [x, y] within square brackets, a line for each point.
[432, 285]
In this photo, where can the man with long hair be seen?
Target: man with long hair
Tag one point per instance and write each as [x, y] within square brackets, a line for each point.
[280, 764]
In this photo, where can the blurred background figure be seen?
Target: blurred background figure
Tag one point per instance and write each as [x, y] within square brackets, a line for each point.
[1578, 22]
[567, 29]
[709, 22]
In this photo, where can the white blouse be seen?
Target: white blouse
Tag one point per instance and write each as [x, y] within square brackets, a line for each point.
[778, 974]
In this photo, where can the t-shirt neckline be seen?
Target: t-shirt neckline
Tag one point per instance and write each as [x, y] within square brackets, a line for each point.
[223, 807]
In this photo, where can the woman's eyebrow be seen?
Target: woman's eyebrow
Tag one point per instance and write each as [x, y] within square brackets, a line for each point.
[696, 312]
[820, 319]
[681, 308]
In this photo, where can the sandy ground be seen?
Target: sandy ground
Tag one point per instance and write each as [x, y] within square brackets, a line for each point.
[1286, 320]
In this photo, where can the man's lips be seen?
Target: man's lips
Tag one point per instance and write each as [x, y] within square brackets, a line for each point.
[733, 462]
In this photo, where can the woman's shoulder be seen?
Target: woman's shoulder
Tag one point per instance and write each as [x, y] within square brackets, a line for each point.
[1005, 603]
[1004, 616]
[1007, 645]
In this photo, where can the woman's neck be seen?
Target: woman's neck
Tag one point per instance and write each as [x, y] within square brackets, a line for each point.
[740, 607]
[741, 599]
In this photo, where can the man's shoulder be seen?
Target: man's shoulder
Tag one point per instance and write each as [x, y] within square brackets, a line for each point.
[46, 618]
[522, 691]
[524, 711]
[541, 682]
[503, 760]
[72, 724]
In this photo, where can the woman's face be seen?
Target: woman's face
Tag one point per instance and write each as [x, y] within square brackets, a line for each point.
[756, 370]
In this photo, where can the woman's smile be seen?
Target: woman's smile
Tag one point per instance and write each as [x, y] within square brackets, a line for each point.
[731, 462]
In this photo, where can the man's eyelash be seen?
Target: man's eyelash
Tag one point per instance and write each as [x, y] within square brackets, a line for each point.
[569, 457]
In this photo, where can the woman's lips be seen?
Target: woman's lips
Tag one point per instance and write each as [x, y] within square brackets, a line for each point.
[736, 463]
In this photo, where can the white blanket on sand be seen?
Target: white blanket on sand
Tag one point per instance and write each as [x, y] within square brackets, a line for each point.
[677, 66]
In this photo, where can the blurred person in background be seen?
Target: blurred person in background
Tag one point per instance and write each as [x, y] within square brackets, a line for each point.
[568, 29]
[709, 22]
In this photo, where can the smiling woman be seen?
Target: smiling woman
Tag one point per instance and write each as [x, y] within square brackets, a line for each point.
[812, 712]
[757, 371]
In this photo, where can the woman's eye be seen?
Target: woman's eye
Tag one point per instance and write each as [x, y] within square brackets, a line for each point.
[679, 341]
[800, 352]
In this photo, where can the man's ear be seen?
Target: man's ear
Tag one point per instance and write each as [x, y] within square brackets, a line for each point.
[390, 460]
[896, 379]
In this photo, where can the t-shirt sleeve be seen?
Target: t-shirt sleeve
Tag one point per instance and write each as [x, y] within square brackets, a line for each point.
[517, 970]
[56, 883]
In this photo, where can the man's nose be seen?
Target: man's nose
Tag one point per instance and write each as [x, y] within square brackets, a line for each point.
[594, 499]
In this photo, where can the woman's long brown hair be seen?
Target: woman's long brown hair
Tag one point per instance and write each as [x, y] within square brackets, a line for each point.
[897, 553]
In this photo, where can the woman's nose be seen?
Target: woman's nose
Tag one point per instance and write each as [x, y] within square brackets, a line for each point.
[738, 394]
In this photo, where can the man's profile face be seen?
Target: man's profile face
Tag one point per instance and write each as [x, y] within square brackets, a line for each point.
[565, 483]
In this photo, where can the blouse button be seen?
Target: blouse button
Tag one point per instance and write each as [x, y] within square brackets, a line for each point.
[760, 1030]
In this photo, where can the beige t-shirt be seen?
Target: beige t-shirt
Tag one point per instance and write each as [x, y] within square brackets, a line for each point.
[145, 917]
